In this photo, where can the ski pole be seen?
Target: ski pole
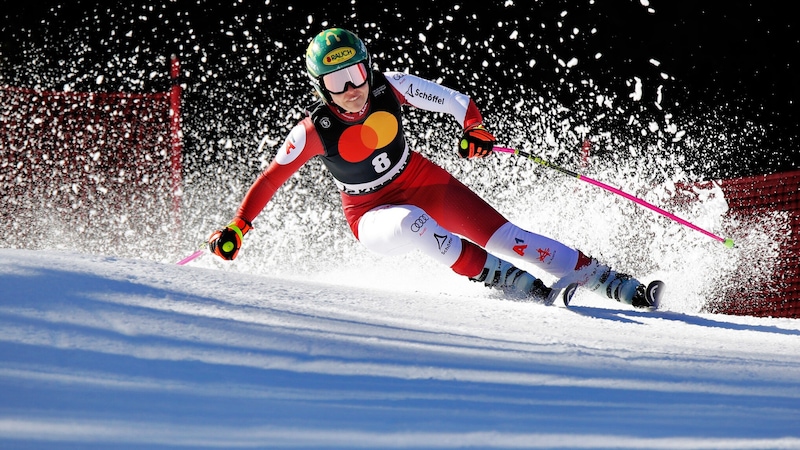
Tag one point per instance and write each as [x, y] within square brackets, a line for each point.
[727, 241]
[194, 255]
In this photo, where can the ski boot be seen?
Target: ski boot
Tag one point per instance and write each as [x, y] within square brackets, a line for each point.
[503, 275]
[621, 287]
[648, 297]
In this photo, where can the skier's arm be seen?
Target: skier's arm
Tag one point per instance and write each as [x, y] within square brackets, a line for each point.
[431, 96]
[412, 90]
[302, 144]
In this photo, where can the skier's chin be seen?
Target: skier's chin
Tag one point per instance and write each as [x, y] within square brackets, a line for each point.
[354, 105]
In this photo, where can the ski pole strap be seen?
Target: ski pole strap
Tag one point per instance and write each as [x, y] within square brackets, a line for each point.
[727, 241]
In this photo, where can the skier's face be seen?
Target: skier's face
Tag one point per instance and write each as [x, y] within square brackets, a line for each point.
[353, 99]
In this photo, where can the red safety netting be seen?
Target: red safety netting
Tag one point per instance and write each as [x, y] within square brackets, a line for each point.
[88, 170]
[752, 197]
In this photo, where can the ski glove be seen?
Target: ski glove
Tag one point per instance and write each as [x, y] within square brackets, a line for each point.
[226, 242]
[477, 142]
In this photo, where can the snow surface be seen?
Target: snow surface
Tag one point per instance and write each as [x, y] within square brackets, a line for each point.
[109, 352]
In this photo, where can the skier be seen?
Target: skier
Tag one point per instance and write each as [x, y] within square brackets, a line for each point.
[395, 199]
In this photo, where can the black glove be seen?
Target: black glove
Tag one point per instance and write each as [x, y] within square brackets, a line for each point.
[226, 242]
[477, 142]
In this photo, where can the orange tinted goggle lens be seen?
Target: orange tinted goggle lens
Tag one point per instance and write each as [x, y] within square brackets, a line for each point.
[336, 82]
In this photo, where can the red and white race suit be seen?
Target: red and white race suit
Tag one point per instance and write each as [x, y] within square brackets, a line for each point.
[395, 199]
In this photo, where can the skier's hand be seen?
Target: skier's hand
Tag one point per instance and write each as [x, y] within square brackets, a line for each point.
[477, 142]
[227, 241]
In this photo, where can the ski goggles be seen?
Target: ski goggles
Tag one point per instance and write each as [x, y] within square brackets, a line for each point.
[336, 82]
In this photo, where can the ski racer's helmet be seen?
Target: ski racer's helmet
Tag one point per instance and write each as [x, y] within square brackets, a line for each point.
[331, 50]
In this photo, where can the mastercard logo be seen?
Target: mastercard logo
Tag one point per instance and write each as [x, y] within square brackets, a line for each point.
[359, 141]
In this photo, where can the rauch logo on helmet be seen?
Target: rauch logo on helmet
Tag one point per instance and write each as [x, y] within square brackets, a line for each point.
[339, 55]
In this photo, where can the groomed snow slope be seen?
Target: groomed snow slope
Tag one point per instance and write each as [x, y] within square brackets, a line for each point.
[104, 352]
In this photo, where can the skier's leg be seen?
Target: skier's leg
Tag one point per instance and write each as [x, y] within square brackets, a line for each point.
[544, 253]
[396, 229]
[462, 211]
[564, 262]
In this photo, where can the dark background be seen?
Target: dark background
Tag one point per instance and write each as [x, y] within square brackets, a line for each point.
[727, 68]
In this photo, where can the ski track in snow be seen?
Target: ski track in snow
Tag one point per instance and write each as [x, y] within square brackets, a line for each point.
[106, 352]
